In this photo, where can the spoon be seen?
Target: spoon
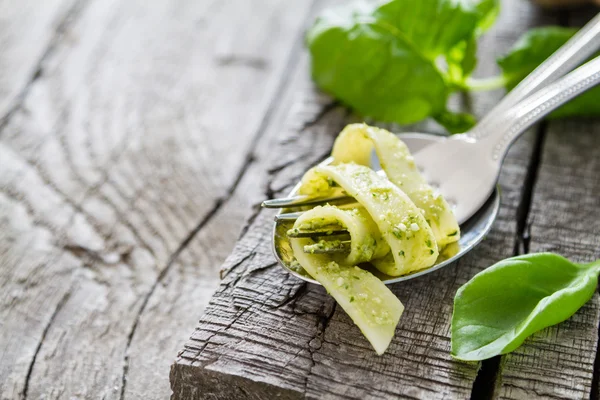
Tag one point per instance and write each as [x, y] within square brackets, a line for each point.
[465, 169]
[472, 231]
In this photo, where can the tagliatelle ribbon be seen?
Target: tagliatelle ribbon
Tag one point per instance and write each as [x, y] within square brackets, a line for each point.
[399, 227]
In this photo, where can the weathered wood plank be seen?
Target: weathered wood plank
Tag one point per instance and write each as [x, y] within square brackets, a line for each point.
[28, 261]
[266, 327]
[558, 362]
[265, 333]
[28, 29]
[124, 146]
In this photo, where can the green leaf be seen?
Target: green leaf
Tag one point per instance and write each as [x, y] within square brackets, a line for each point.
[381, 59]
[462, 58]
[530, 51]
[501, 306]
[455, 122]
[487, 11]
[373, 68]
[432, 26]
[461, 61]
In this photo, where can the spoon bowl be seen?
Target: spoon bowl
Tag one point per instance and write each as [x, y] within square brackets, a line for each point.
[472, 231]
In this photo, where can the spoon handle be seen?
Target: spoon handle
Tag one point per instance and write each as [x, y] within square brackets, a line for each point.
[538, 105]
[578, 49]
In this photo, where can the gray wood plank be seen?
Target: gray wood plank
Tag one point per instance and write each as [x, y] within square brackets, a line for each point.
[28, 30]
[180, 297]
[28, 261]
[123, 147]
[558, 362]
[266, 333]
[264, 328]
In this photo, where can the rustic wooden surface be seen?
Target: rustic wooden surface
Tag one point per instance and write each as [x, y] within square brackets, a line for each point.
[136, 140]
[125, 131]
[266, 333]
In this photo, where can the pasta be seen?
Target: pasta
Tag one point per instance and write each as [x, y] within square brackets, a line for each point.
[399, 225]
[366, 241]
[355, 144]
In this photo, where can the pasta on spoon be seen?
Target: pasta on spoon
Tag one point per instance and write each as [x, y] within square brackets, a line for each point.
[398, 225]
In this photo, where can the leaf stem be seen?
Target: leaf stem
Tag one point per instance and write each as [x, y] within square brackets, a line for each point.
[484, 84]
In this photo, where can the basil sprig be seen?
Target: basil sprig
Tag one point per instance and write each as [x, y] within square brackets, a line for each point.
[530, 51]
[400, 60]
[382, 59]
[501, 306]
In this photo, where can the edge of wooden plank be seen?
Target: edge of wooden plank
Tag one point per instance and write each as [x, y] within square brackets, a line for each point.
[251, 264]
[87, 216]
[238, 261]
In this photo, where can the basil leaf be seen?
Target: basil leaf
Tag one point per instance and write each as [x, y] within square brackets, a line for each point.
[530, 51]
[371, 67]
[461, 61]
[381, 59]
[432, 26]
[487, 11]
[462, 58]
[455, 122]
[501, 306]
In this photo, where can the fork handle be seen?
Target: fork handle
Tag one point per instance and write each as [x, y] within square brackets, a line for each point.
[537, 106]
[578, 49]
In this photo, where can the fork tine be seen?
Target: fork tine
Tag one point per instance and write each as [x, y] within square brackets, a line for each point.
[300, 233]
[317, 233]
[288, 217]
[328, 247]
[299, 201]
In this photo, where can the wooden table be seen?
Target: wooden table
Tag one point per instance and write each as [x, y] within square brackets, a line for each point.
[136, 141]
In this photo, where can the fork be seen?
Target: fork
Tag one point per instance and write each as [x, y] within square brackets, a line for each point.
[465, 168]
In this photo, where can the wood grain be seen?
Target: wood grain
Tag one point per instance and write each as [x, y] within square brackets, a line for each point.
[29, 29]
[558, 362]
[136, 140]
[122, 149]
[266, 333]
[264, 328]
